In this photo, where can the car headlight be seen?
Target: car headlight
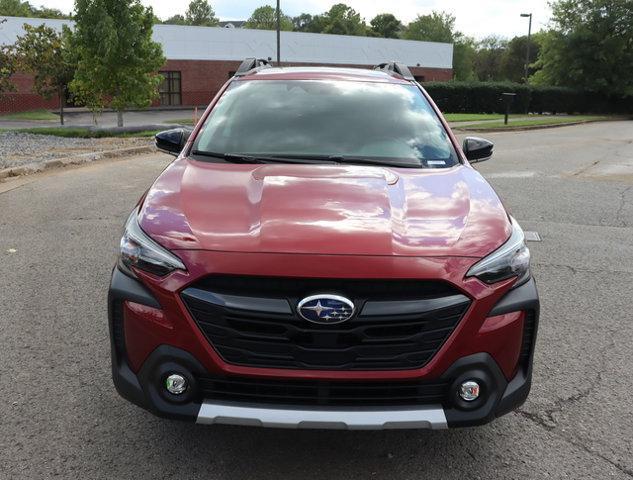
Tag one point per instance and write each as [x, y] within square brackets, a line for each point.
[140, 251]
[512, 259]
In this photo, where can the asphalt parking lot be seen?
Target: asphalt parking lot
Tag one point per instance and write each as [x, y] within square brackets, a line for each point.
[61, 417]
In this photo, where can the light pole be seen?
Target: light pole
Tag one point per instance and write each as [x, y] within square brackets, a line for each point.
[278, 34]
[527, 54]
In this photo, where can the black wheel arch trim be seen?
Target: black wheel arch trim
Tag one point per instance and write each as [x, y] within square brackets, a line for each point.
[524, 297]
[123, 287]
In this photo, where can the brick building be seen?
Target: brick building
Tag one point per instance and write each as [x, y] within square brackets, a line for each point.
[201, 59]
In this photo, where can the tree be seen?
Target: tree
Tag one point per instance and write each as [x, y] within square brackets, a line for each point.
[440, 27]
[18, 8]
[201, 14]
[117, 60]
[45, 12]
[386, 25]
[490, 53]
[45, 53]
[15, 8]
[590, 46]
[8, 67]
[341, 20]
[265, 18]
[436, 27]
[513, 60]
[464, 54]
[176, 20]
[307, 23]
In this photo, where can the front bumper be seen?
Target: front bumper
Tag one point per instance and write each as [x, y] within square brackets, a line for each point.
[322, 418]
[144, 386]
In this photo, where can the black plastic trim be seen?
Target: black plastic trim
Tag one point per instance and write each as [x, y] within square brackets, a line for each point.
[173, 141]
[406, 307]
[269, 305]
[524, 297]
[251, 64]
[482, 368]
[123, 287]
[516, 392]
[163, 361]
[396, 67]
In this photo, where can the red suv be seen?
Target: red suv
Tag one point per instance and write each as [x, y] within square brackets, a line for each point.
[321, 254]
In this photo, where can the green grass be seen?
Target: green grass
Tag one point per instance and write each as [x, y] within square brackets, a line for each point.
[30, 116]
[537, 121]
[81, 132]
[471, 117]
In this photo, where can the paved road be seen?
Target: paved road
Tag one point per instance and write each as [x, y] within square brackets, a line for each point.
[60, 416]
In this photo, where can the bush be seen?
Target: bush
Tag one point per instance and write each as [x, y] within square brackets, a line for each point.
[486, 97]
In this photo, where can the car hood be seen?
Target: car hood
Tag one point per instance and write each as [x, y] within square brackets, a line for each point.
[324, 209]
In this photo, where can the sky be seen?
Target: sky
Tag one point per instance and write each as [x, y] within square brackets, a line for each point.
[476, 18]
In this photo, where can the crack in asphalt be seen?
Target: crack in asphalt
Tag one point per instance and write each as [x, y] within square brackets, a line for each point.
[584, 169]
[536, 419]
[548, 421]
[622, 468]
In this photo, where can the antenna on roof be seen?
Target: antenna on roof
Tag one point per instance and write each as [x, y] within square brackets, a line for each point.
[396, 68]
[250, 65]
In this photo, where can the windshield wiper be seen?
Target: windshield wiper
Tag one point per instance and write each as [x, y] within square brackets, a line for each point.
[229, 157]
[352, 160]
[371, 161]
[246, 158]
[302, 159]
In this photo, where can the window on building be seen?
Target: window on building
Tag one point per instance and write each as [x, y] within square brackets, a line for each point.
[170, 91]
[419, 78]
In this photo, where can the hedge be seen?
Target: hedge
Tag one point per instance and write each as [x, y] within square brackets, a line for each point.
[485, 97]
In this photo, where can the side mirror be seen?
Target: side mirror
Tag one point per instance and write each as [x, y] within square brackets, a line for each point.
[477, 149]
[173, 141]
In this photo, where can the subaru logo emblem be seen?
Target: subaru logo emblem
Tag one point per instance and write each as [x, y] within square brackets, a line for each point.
[326, 309]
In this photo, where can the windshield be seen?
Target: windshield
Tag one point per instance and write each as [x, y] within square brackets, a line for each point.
[342, 121]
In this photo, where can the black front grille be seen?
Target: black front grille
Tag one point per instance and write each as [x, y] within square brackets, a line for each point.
[282, 339]
[297, 288]
[322, 393]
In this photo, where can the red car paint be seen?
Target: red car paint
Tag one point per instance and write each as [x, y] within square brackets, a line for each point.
[323, 222]
[324, 210]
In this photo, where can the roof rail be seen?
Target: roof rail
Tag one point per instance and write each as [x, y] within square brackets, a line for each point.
[396, 67]
[250, 64]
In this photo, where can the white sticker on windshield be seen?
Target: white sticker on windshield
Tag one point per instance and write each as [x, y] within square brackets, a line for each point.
[436, 162]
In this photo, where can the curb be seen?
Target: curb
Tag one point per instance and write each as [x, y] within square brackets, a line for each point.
[83, 158]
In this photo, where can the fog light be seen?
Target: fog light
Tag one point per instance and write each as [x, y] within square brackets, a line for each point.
[469, 391]
[176, 384]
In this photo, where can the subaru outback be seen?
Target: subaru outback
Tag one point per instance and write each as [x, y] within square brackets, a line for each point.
[322, 254]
